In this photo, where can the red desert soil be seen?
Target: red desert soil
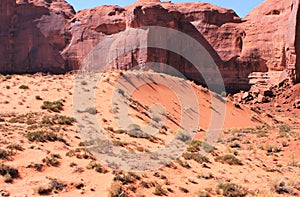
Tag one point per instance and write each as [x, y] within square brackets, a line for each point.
[256, 155]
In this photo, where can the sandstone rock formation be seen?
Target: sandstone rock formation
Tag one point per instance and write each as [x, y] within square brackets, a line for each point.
[272, 34]
[32, 36]
[48, 36]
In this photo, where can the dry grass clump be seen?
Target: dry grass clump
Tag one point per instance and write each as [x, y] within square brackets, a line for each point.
[229, 159]
[232, 190]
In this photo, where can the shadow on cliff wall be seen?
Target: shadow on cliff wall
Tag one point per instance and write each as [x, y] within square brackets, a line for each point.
[28, 50]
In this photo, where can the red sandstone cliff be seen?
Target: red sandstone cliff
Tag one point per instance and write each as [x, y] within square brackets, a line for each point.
[48, 36]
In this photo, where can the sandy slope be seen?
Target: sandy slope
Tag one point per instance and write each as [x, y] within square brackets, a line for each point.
[268, 156]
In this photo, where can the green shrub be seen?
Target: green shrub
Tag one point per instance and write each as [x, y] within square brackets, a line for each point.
[43, 136]
[24, 87]
[229, 159]
[159, 191]
[182, 136]
[196, 157]
[44, 190]
[8, 173]
[207, 147]
[58, 119]
[4, 154]
[196, 146]
[15, 147]
[120, 91]
[55, 106]
[23, 119]
[52, 160]
[232, 190]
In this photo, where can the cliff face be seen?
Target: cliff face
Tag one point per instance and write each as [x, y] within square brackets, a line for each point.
[48, 36]
[32, 35]
[272, 33]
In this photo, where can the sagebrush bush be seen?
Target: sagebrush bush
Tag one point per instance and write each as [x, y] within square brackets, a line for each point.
[9, 173]
[58, 119]
[52, 160]
[196, 157]
[232, 190]
[43, 136]
[55, 106]
[229, 159]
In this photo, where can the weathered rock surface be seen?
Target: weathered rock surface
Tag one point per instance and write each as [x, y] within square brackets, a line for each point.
[48, 36]
[32, 35]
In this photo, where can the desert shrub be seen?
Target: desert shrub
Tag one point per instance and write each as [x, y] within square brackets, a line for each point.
[196, 157]
[37, 167]
[52, 160]
[37, 97]
[138, 134]
[83, 83]
[196, 146]
[97, 167]
[207, 147]
[232, 190]
[23, 87]
[110, 129]
[120, 91]
[281, 187]
[7, 77]
[134, 127]
[80, 153]
[91, 110]
[284, 130]
[184, 164]
[43, 136]
[4, 154]
[55, 106]
[15, 147]
[126, 178]
[23, 119]
[203, 193]
[44, 190]
[184, 190]
[159, 191]
[58, 119]
[57, 185]
[224, 94]
[54, 185]
[270, 148]
[183, 136]
[237, 105]
[229, 159]
[116, 190]
[144, 184]
[120, 143]
[156, 118]
[8, 173]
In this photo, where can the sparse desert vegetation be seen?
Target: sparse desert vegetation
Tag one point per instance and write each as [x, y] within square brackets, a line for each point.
[44, 143]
